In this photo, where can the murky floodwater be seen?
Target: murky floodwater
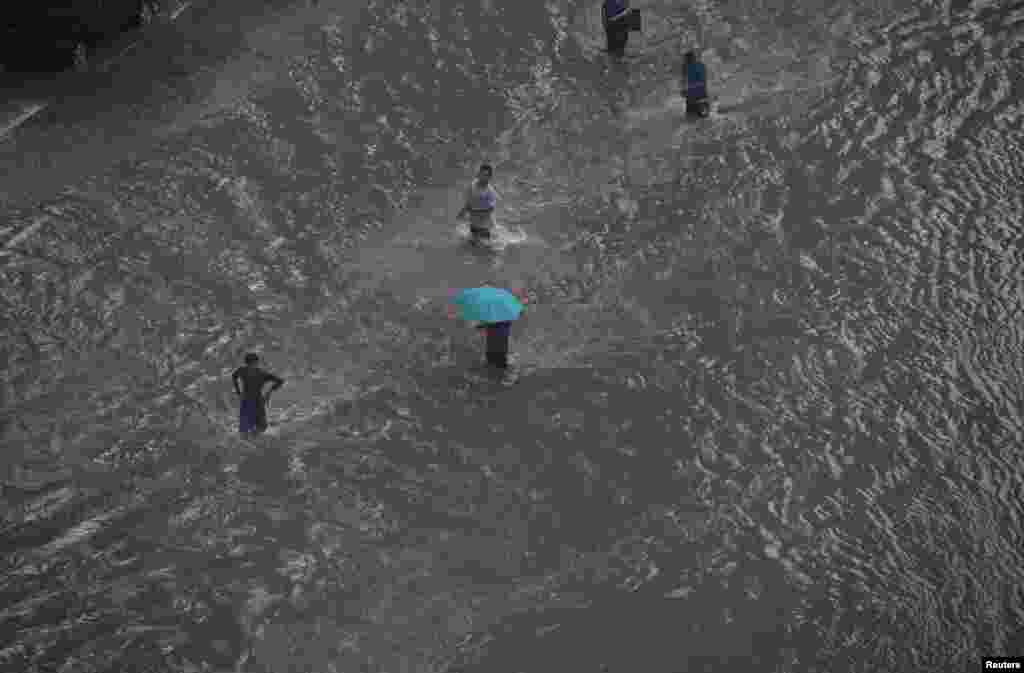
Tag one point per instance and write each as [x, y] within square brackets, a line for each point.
[768, 399]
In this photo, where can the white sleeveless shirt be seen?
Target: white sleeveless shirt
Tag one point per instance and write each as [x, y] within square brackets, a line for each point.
[481, 202]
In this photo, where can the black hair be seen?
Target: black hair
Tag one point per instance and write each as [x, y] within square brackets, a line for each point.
[251, 358]
[487, 167]
[691, 56]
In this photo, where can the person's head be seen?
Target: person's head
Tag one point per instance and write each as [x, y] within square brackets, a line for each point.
[691, 57]
[485, 173]
[252, 359]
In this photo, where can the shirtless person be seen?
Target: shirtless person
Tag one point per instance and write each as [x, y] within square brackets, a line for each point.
[481, 200]
[252, 412]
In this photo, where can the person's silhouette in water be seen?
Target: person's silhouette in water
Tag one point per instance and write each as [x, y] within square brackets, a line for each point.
[696, 87]
[252, 411]
[615, 15]
[496, 336]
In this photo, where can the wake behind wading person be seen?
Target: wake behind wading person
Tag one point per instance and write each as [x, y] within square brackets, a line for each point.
[249, 381]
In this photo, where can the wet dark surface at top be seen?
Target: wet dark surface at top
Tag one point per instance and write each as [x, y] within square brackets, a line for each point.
[766, 401]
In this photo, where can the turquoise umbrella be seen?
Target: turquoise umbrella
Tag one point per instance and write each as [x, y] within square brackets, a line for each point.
[488, 304]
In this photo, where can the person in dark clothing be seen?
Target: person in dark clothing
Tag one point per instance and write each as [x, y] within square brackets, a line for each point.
[616, 25]
[497, 337]
[252, 412]
[696, 91]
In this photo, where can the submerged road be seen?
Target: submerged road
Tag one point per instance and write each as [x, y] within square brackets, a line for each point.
[767, 413]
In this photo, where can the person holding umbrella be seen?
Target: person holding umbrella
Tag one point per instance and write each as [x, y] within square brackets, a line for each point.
[493, 309]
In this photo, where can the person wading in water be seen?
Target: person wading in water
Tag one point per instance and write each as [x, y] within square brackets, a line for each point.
[252, 412]
[696, 86]
[496, 338]
[481, 200]
[616, 25]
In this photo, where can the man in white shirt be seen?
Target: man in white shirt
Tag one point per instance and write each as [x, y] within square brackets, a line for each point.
[481, 200]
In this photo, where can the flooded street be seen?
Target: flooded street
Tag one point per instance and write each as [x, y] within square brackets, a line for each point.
[766, 411]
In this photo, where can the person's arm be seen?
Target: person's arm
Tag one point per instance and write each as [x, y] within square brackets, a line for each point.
[276, 380]
[234, 382]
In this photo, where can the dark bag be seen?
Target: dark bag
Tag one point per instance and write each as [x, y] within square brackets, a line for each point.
[633, 21]
[698, 107]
